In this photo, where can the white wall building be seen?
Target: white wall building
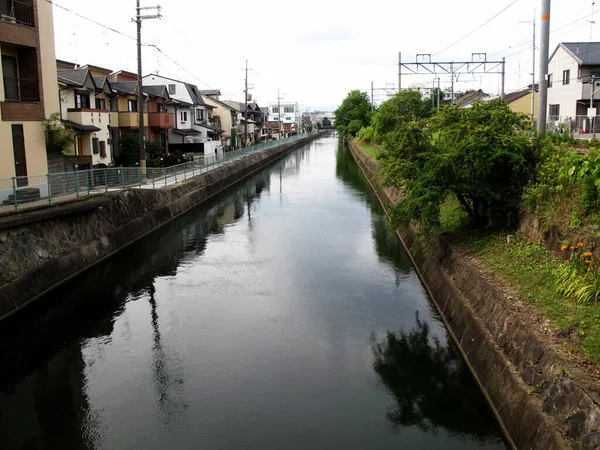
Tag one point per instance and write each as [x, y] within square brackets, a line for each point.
[290, 112]
[570, 72]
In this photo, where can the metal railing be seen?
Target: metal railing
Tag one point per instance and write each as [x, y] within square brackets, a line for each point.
[19, 12]
[21, 90]
[574, 125]
[18, 191]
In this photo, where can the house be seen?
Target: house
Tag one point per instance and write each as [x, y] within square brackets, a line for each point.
[257, 129]
[520, 101]
[225, 118]
[571, 69]
[159, 119]
[289, 114]
[467, 100]
[194, 131]
[124, 114]
[84, 103]
[28, 92]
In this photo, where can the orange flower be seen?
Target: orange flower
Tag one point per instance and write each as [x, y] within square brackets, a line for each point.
[573, 247]
[588, 254]
[587, 261]
[564, 247]
[566, 260]
[580, 245]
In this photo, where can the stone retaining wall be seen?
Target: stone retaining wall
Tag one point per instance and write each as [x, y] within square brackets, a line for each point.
[537, 398]
[43, 248]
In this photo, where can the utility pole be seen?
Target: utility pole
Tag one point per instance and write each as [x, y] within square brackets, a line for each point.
[246, 103]
[544, 54]
[142, 136]
[438, 93]
[399, 71]
[592, 118]
[533, 73]
[503, 77]
[452, 87]
[279, 112]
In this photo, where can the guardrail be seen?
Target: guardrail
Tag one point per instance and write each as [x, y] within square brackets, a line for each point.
[18, 191]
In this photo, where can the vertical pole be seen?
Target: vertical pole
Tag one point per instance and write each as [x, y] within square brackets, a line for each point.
[438, 93]
[452, 83]
[592, 83]
[399, 71]
[105, 181]
[433, 95]
[544, 54]
[140, 176]
[142, 146]
[153, 178]
[533, 74]
[503, 77]
[77, 182]
[49, 190]
[246, 103]
[123, 177]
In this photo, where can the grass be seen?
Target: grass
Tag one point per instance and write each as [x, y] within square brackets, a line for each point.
[371, 149]
[531, 270]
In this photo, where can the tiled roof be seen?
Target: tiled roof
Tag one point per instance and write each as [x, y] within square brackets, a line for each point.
[100, 82]
[156, 91]
[125, 87]
[195, 94]
[74, 77]
[587, 53]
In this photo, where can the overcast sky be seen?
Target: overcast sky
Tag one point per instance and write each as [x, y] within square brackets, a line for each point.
[314, 51]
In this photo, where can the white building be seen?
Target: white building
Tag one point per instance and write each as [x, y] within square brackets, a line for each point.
[572, 67]
[288, 111]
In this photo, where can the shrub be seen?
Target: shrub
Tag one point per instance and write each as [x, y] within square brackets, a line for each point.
[366, 134]
[578, 277]
[354, 127]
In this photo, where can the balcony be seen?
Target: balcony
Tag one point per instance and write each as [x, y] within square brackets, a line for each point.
[162, 120]
[16, 12]
[131, 119]
[21, 90]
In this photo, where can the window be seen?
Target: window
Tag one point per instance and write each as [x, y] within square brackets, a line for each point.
[82, 100]
[566, 77]
[114, 104]
[288, 109]
[276, 118]
[172, 89]
[100, 103]
[95, 146]
[160, 107]
[183, 116]
[275, 110]
[102, 149]
[550, 79]
[199, 115]
[554, 110]
[132, 105]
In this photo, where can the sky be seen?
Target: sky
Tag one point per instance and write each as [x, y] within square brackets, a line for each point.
[314, 51]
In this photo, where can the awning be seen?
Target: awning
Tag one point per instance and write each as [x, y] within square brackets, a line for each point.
[188, 132]
[81, 128]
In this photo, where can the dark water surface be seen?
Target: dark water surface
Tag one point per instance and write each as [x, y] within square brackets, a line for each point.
[282, 315]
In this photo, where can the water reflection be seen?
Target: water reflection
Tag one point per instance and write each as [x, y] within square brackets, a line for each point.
[44, 399]
[431, 386]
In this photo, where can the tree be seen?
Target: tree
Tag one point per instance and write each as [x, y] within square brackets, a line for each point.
[481, 155]
[59, 137]
[431, 386]
[326, 122]
[129, 154]
[404, 107]
[356, 106]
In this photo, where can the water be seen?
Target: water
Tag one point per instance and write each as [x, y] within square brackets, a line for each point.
[282, 315]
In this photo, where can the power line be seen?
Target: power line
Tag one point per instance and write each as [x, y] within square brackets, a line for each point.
[476, 29]
[134, 39]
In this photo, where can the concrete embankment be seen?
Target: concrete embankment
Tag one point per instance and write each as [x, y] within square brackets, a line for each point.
[538, 398]
[43, 248]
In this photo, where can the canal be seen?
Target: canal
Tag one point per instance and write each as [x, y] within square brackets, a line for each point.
[283, 314]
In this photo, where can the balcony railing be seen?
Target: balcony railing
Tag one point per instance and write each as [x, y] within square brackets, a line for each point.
[21, 90]
[18, 12]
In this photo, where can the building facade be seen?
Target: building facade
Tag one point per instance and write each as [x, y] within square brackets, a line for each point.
[28, 92]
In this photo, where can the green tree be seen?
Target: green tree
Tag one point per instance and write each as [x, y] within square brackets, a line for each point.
[482, 155]
[405, 106]
[326, 122]
[356, 106]
[154, 151]
[129, 154]
[59, 137]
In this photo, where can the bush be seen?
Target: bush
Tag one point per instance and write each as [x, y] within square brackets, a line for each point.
[354, 127]
[579, 277]
[366, 134]
[563, 137]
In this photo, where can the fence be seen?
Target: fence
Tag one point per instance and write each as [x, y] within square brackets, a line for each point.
[17, 191]
[574, 125]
